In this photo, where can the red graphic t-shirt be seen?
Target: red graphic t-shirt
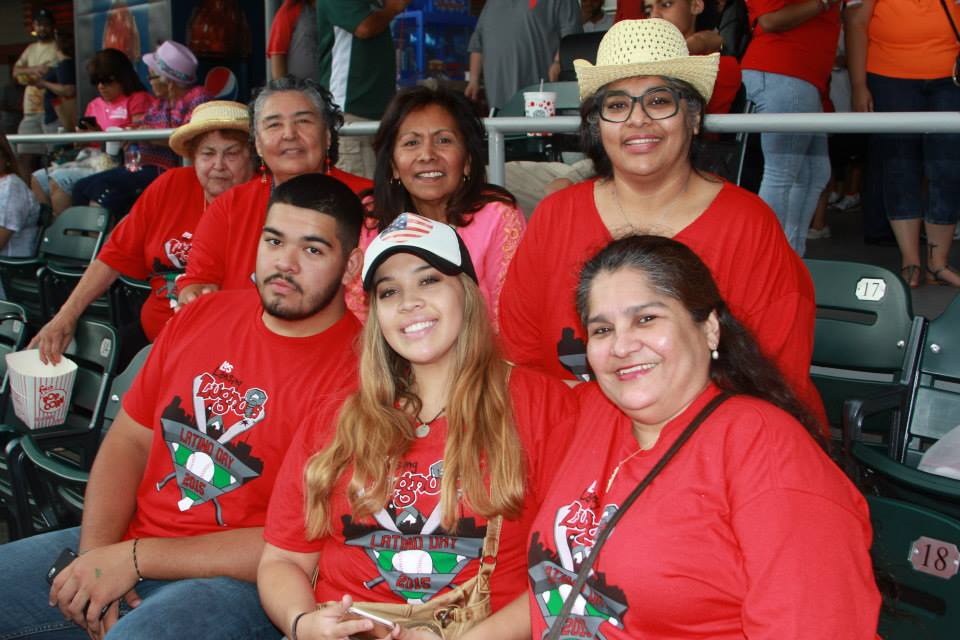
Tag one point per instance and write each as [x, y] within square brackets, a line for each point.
[225, 245]
[762, 280]
[403, 554]
[751, 531]
[224, 396]
[153, 242]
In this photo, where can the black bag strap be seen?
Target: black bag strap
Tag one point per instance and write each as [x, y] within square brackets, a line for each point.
[943, 3]
[587, 566]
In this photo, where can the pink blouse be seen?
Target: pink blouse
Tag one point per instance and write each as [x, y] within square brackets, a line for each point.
[491, 238]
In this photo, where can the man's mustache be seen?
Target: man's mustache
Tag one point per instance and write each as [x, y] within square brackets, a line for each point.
[285, 278]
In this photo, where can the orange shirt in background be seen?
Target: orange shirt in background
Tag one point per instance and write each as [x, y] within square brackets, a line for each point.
[912, 39]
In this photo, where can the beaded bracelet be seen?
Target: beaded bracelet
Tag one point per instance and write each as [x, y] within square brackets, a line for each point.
[136, 566]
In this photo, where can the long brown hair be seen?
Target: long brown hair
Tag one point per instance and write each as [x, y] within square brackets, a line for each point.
[9, 160]
[674, 270]
[374, 430]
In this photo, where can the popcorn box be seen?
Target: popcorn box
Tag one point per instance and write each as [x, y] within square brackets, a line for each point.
[41, 392]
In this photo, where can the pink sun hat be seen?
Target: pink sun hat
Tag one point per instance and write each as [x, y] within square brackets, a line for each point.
[173, 61]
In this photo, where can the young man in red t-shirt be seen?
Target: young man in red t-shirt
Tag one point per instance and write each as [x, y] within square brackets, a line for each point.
[178, 493]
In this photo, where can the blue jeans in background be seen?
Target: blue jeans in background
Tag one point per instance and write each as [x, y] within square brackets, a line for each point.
[796, 166]
[905, 158]
[210, 608]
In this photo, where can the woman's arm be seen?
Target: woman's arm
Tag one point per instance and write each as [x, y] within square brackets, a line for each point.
[794, 15]
[856, 19]
[63, 90]
[283, 580]
[53, 338]
[286, 593]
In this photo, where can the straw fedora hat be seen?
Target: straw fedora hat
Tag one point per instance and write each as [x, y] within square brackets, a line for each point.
[651, 47]
[210, 116]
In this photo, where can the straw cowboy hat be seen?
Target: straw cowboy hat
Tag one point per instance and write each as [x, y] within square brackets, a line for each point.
[210, 116]
[651, 47]
[174, 62]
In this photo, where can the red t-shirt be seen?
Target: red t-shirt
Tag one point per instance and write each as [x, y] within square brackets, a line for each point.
[224, 396]
[727, 86]
[751, 531]
[153, 241]
[763, 281]
[404, 554]
[225, 245]
[281, 30]
[806, 52]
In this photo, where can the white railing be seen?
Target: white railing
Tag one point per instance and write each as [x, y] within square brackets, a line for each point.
[497, 128]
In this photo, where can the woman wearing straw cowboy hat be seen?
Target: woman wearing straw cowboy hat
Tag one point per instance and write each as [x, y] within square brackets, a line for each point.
[153, 241]
[172, 70]
[641, 113]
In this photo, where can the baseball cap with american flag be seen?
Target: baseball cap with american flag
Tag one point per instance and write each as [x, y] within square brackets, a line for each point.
[435, 242]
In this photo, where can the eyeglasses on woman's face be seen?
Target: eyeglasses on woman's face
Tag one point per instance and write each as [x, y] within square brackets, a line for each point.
[658, 103]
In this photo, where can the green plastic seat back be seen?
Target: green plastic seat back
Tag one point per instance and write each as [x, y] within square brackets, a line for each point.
[13, 336]
[75, 236]
[916, 604]
[937, 404]
[866, 338]
[94, 350]
[120, 386]
[128, 296]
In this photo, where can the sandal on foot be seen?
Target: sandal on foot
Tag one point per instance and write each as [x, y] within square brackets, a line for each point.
[934, 277]
[911, 275]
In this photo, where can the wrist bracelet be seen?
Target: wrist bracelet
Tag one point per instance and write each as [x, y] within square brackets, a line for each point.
[293, 625]
[136, 565]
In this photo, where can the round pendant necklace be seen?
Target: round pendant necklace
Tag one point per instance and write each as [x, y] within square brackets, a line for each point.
[423, 429]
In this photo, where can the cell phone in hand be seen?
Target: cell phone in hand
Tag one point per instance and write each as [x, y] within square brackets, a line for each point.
[381, 626]
[88, 123]
[65, 558]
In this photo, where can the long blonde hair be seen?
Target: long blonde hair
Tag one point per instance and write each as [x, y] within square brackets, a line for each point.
[374, 430]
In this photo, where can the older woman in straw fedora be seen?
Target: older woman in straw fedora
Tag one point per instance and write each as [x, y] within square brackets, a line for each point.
[153, 242]
[642, 109]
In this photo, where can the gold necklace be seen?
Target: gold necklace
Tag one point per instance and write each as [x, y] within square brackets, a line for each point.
[616, 470]
[663, 214]
[423, 429]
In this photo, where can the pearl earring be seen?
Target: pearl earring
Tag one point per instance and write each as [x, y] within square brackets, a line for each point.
[714, 355]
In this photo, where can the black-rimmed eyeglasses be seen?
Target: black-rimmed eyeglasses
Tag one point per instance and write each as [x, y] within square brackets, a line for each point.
[658, 103]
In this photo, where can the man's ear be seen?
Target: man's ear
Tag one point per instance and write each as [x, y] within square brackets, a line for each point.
[354, 265]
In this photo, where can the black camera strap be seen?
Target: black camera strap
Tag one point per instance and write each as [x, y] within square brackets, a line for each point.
[588, 563]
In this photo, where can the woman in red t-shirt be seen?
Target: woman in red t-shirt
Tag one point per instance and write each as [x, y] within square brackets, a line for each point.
[786, 70]
[396, 495]
[749, 531]
[153, 241]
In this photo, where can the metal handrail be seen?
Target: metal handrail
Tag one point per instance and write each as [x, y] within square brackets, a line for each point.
[902, 122]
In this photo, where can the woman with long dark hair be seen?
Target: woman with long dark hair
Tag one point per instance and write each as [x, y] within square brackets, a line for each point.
[749, 531]
[430, 161]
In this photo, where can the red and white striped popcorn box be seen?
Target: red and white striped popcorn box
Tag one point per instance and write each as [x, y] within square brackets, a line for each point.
[41, 392]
